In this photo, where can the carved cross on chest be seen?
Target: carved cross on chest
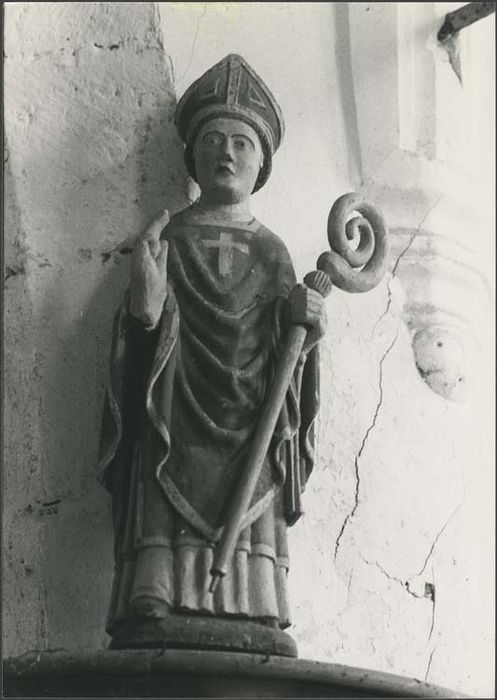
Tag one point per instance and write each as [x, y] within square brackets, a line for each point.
[226, 246]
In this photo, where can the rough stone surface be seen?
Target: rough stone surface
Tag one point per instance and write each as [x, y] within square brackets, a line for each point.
[92, 156]
[392, 565]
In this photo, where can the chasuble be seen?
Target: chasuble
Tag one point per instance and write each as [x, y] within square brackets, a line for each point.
[181, 408]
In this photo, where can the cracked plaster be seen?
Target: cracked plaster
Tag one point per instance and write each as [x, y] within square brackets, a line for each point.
[364, 441]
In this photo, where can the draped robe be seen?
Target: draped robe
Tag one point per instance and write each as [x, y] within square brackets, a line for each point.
[181, 409]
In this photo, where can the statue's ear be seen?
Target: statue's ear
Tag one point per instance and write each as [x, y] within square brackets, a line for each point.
[189, 161]
[192, 190]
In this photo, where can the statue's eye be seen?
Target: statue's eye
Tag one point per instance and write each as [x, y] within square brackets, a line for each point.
[211, 140]
[242, 144]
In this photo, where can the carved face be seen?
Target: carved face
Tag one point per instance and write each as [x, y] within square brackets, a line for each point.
[228, 156]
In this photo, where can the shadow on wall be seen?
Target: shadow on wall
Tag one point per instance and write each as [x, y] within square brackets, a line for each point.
[342, 57]
[77, 543]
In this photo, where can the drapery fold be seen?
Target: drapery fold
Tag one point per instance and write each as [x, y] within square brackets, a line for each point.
[181, 408]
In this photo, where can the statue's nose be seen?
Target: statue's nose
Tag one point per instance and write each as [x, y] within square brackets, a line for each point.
[226, 150]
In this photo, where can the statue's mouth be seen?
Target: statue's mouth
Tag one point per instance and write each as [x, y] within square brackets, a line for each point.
[224, 169]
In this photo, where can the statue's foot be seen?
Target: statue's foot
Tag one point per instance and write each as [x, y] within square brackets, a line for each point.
[147, 607]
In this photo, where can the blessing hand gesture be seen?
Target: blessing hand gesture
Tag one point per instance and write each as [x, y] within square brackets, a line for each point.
[149, 273]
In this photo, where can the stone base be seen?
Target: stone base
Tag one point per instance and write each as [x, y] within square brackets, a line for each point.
[208, 633]
[201, 674]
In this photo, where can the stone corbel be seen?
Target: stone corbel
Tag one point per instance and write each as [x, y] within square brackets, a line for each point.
[446, 301]
[435, 204]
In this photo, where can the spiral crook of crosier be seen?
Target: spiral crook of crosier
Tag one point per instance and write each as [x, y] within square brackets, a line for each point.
[371, 254]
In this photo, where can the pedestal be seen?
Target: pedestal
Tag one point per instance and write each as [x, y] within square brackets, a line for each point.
[203, 634]
[174, 673]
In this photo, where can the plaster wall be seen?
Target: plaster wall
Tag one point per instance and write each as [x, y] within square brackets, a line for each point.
[392, 565]
[90, 155]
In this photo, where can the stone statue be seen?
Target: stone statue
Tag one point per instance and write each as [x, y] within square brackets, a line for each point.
[195, 345]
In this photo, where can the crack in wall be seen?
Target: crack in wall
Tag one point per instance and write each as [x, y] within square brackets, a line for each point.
[437, 537]
[387, 308]
[402, 253]
[362, 447]
[433, 600]
[430, 588]
[429, 662]
[404, 584]
[194, 43]
[429, 593]
[415, 233]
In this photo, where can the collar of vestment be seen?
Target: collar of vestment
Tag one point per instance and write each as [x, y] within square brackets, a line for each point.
[196, 216]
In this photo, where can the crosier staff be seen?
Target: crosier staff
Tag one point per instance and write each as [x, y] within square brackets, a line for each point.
[337, 266]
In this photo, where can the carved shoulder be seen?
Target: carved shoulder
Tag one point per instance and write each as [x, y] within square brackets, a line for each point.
[174, 226]
[277, 255]
[273, 245]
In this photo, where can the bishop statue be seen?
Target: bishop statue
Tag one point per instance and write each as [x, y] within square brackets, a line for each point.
[196, 342]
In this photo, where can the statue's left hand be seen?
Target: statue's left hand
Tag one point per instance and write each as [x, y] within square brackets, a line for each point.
[306, 307]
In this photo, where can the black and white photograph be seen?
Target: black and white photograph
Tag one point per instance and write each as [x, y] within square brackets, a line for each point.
[248, 350]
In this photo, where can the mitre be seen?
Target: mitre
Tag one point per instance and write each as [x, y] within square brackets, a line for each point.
[231, 88]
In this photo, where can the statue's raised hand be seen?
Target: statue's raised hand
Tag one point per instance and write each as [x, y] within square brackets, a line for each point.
[149, 273]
